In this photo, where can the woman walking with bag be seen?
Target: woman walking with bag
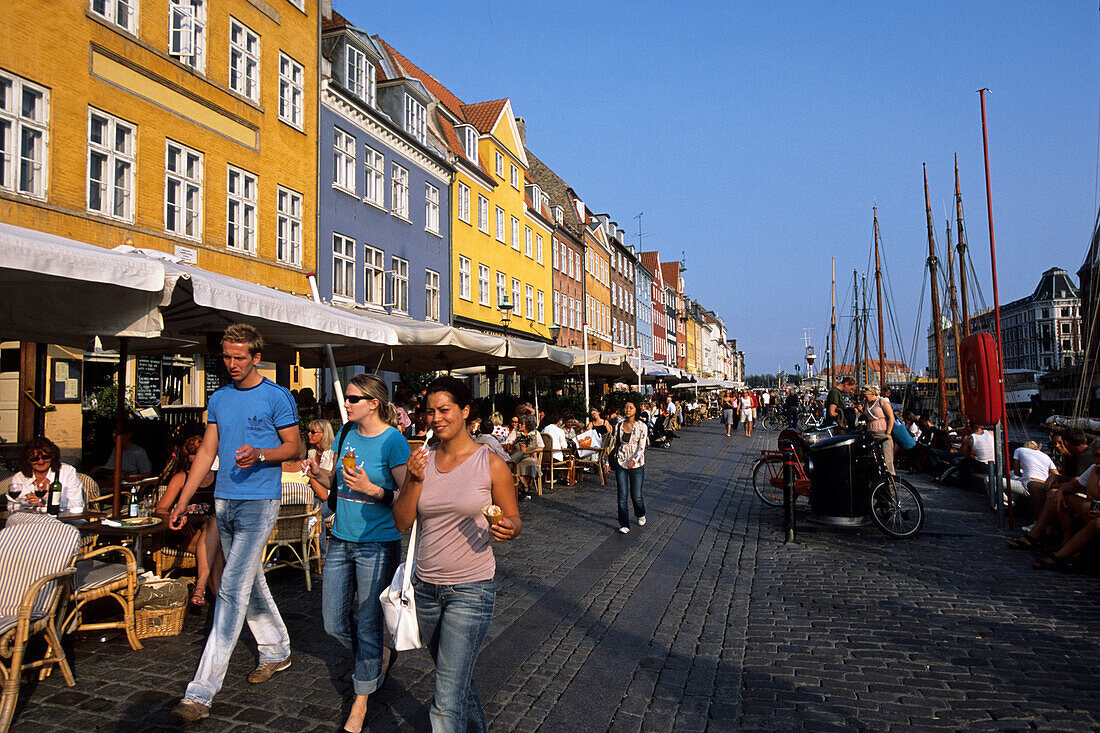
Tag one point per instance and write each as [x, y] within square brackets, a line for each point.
[628, 457]
[365, 545]
[446, 489]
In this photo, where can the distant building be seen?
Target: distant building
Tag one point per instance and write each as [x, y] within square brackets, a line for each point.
[896, 371]
[661, 325]
[643, 284]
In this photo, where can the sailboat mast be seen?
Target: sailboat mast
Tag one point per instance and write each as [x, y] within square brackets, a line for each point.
[878, 293]
[962, 252]
[954, 318]
[855, 304]
[937, 324]
[866, 348]
[832, 333]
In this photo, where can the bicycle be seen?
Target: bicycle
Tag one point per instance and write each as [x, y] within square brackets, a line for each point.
[767, 477]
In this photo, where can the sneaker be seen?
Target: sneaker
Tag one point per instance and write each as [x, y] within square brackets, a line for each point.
[641, 521]
[190, 710]
[624, 530]
[263, 672]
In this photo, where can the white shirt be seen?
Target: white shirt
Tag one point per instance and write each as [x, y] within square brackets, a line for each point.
[1083, 479]
[72, 491]
[983, 446]
[914, 430]
[765, 399]
[1034, 464]
[557, 440]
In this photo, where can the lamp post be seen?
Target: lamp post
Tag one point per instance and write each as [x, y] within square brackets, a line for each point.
[584, 334]
[505, 307]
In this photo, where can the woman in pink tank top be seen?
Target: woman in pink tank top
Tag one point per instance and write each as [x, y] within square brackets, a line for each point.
[446, 489]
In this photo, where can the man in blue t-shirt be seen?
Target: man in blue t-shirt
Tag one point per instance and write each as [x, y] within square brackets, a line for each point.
[252, 427]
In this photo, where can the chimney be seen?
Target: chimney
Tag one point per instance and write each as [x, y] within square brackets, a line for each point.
[521, 125]
[326, 8]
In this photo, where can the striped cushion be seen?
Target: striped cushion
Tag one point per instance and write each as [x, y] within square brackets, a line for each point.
[30, 549]
[92, 574]
[171, 551]
[296, 489]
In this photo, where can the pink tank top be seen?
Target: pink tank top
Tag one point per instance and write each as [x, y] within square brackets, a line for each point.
[454, 539]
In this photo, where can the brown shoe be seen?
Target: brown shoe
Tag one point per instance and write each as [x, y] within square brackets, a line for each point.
[263, 672]
[190, 710]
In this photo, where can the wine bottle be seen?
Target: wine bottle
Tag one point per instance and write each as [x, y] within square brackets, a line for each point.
[53, 502]
[134, 503]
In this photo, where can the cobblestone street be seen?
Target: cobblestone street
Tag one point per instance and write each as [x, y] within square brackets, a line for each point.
[701, 620]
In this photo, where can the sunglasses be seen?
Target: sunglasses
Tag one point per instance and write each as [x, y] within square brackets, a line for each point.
[40, 457]
[318, 432]
[357, 398]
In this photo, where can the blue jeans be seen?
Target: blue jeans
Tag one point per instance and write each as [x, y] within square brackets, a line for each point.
[629, 481]
[244, 526]
[355, 575]
[453, 621]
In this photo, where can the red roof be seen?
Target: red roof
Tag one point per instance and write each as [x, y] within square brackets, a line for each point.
[333, 22]
[483, 115]
[411, 70]
[670, 272]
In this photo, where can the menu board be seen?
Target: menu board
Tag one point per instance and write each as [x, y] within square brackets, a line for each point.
[214, 374]
[147, 381]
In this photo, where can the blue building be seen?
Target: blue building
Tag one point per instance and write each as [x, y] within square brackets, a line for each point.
[384, 234]
[643, 282]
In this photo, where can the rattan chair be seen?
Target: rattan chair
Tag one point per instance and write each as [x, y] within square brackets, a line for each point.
[550, 465]
[294, 532]
[95, 579]
[36, 569]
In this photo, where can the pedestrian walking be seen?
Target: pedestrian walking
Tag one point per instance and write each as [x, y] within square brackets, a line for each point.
[746, 413]
[628, 457]
[728, 414]
[365, 546]
[449, 490]
[252, 427]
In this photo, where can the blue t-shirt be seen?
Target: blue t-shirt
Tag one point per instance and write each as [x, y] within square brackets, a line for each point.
[360, 518]
[252, 416]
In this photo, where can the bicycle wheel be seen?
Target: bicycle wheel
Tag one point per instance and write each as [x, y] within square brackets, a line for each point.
[896, 508]
[806, 421]
[762, 472]
[770, 422]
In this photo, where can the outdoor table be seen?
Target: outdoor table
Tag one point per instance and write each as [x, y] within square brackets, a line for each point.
[137, 534]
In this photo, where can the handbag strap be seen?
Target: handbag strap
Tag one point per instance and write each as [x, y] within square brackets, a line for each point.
[410, 558]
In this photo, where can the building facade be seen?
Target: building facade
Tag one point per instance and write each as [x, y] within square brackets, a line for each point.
[622, 287]
[652, 262]
[597, 280]
[643, 298]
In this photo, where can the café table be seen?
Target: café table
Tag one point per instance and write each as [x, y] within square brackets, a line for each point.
[94, 525]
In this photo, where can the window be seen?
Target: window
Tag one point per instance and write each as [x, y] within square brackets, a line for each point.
[343, 163]
[414, 118]
[557, 308]
[400, 285]
[291, 91]
[187, 32]
[500, 225]
[288, 244]
[240, 210]
[469, 142]
[483, 213]
[431, 295]
[527, 241]
[24, 119]
[502, 288]
[538, 248]
[515, 181]
[399, 191]
[183, 191]
[553, 255]
[515, 296]
[499, 164]
[515, 234]
[529, 301]
[376, 177]
[464, 277]
[463, 202]
[360, 75]
[119, 12]
[244, 60]
[483, 285]
[431, 208]
[542, 308]
[110, 166]
[343, 266]
[374, 274]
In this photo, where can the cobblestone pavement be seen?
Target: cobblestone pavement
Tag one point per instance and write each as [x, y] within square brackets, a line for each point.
[701, 620]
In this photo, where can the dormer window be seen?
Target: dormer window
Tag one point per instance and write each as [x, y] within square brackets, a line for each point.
[559, 215]
[469, 142]
[414, 118]
[360, 75]
[535, 194]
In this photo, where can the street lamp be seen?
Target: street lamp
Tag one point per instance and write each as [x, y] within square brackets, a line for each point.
[505, 307]
[555, 329]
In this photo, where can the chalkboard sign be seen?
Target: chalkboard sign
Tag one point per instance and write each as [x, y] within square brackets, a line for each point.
[214, 374]
[147, 381]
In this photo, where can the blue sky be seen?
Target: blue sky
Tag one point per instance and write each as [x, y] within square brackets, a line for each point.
[756, 136]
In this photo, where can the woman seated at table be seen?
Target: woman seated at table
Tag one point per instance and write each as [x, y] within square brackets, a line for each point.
[199, 535]
[39, 461]
[526, 453]
[514, 431]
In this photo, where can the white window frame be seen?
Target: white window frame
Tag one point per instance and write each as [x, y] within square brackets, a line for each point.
[359, 74]
[431, 295]
[556, 298]
[343, 267]
[241, 209]
[469, 142]
[515, 182]
[399, 191]
[515, 234]
[291, 91]
[115, 190]
[502, 288]
[414, 118]
[375, 183]
[541, 307]
[288, 228]
[109, 10]
[499, 164]
[244, 60]
[502, 235]
[529, 301]
[516, 292]
[374, 276]
[482, 213]
[554, 256]
[483, 286]
[400, 284]
[343, 161]
[464, 277]
[431, 208]
[187, 33]
[463, 202]
[538, 248]
[16, 129]
[527, 246]
[187, 221]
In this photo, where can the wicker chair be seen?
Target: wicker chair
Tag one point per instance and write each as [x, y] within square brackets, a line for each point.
[294, 529]
[97, 579]
[549, 465]
[36, 569]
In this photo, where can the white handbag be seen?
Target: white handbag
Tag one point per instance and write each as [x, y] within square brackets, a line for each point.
[398, 604]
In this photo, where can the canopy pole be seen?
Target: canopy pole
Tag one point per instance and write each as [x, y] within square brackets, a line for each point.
[639, 372]
[536, 380]
[120, 419]
[584, 329]
[336, 386]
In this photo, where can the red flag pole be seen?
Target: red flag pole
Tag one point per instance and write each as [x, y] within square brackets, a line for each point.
[996, 301]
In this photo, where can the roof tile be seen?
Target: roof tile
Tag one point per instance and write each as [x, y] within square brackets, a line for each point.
[483, 115]
[411, 70]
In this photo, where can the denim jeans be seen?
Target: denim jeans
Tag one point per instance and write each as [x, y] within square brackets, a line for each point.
[244, 526]
[453, 621]
[355, 575]
[629, 481]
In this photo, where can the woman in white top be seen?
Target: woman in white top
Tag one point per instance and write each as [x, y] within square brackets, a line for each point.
[746, 413]
[1033, 467]
[39, 461]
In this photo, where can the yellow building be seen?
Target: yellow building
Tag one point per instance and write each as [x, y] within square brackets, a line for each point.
[501, 237]
[185, 126]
